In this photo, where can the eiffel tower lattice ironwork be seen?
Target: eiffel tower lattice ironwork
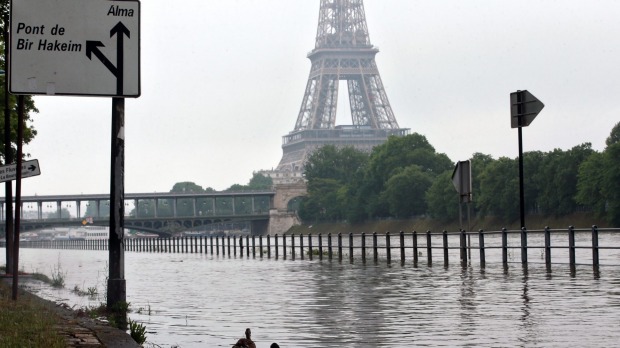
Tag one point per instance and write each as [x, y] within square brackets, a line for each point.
[342, 52]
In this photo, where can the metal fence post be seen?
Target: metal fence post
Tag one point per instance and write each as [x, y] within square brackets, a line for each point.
[351, 247]
[320, 246]
[329, 246]
[260, 246]
[388, 248]
[310, 246]
[402, 247]
[301, 245]
[445, 248]
[523, 245]
[414, 236]
[463, 238]
[363, 247]
[504, 246]
[374, 246]
[293, 247]
[339, 246]
[547, 246]
[283, 247]
[483, 258]
[429, 248]
[571, 245]
[595, 251]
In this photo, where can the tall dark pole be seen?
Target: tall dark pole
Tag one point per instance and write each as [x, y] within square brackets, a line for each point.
[116, 279]
[18, 191]
[521, 189]
[8, 228]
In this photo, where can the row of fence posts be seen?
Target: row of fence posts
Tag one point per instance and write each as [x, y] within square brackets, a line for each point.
[224, 245]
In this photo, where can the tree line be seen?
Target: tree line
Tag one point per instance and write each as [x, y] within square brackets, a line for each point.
[405, 177]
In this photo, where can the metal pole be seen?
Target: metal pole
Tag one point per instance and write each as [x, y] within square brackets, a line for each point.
[521, 189]
[116, 280]
[8, 229]
[18, 191]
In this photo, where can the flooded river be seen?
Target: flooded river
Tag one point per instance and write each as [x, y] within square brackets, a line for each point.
[198, 300]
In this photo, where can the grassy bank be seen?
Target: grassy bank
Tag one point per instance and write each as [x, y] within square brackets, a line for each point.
[26, 322]
[580, 220]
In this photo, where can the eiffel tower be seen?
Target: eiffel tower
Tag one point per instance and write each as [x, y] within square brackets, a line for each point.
[342, 51]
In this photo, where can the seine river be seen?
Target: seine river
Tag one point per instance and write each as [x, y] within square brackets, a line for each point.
[198, 300]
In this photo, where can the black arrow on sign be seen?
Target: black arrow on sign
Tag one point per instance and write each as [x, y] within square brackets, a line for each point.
[32, 168]
[92, 47]
[119, 29]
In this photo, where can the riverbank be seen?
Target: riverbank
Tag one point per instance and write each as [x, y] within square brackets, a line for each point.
[34, 322]
[578, 220]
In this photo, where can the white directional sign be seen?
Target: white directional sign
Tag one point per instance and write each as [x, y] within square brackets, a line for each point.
[75, 47]
[29, 168]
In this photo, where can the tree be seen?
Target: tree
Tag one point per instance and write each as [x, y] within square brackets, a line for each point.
[260, 182]
[560, 171]
[331, 172]
[186, 187]
[499, 189]
[29, 107]
[405, 192]
[590, 180]
[389, 159]
[614, 136]
[442, 199]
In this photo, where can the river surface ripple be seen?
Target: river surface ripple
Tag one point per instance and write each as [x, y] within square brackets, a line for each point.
[198, 300]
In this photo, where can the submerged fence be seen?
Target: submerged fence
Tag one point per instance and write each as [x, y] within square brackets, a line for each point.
[593, 246]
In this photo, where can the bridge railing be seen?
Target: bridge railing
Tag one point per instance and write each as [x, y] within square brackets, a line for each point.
[594, 246]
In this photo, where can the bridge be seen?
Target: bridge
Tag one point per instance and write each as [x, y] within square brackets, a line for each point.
[161, 213]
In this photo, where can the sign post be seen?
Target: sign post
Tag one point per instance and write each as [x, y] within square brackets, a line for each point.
[83, 48]
[524, 107]
[461, 179]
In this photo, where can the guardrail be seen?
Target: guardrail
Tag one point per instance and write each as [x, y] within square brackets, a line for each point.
[573, 246]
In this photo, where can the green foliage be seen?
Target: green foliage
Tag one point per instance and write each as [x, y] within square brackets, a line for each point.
[29, 107]
[442, 199]
[559, 182]
[599, 183]
[257, 182]
[499, 189]
[137, 331]
[260, 182]
[405, 191]
[58, 276]
[186, 187]
[27, 322]
[331, 172]
[614, 136]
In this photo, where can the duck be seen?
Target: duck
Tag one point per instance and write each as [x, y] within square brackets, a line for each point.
[245, 342]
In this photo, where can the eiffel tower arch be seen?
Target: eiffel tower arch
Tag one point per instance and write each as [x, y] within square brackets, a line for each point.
[342, 52]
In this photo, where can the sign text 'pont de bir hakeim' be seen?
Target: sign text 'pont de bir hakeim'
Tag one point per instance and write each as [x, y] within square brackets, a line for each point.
[75, 47]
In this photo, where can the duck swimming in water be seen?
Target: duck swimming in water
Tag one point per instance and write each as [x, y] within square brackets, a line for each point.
[245, 342]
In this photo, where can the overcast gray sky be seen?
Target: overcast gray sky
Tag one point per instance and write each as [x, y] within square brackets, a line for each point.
[222, 82]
